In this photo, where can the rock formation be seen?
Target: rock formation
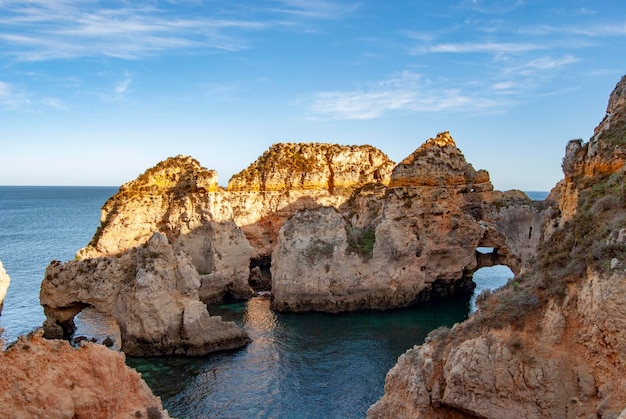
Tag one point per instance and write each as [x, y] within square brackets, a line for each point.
[4, 285]
[180, 199]
[294, 176]
[552, 343]
[399, 234]
[150, 290]
[414, 240]
[48, 378]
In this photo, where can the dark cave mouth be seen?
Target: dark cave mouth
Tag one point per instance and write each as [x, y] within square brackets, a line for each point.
[260, 279]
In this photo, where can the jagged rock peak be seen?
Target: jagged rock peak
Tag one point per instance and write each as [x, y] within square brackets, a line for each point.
[438, 162]
[174, 174]
[605, 152]
[442, 139]
[305, 166]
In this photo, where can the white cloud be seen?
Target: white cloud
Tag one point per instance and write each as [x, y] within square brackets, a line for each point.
[36, 30]
[11, 97]
[122, 86]
[407, 92]
[317, 9]
[481, 47]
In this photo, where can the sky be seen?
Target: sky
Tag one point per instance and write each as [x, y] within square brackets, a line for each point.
[95, 92]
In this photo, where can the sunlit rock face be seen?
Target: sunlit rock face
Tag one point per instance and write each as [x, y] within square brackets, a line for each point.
[49, 378]
[552, 342]
[181, 200]
[397, 245]
[290, 177]
[152, 293]
[4, 285]
[409, 231]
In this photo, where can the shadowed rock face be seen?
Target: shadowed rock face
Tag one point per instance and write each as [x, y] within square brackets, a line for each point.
[152, 293]
[48, 378]
[553, 342]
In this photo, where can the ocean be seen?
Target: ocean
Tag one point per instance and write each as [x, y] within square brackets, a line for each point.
[305, 365]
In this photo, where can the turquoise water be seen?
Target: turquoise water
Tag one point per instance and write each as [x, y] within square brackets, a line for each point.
[298, 365]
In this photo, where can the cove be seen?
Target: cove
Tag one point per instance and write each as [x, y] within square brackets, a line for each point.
[304, 365]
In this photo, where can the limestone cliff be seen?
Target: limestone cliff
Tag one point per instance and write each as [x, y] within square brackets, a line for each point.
[48, 378]
[152, 293]
[294, 176]
[395, 246]
[4, 285]
[552, 343]
[180, 199]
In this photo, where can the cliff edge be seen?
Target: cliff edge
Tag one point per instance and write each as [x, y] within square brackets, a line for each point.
[552, 343]
[48, 378]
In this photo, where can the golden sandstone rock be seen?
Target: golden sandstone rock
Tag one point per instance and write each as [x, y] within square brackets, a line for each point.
[552, 343]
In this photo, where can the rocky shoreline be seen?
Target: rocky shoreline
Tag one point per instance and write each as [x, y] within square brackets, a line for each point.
[342, 228]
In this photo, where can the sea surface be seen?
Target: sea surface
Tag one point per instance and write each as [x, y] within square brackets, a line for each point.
[306, 365]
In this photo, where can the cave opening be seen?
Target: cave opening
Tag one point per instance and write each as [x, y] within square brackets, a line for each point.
[490, 275]
[260, 279]
[93, 325]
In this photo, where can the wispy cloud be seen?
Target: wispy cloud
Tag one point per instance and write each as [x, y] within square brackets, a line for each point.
[122, 86]
[36, 30]
[481, 47]
[317, 9]
[407, 92]
[11, 97]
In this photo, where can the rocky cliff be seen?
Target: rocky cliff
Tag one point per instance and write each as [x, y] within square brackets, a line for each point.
[397, 245]
[295, 176]
[551, 343]
[4, 285]
[48, 378]
[152, 293]
[180, 199]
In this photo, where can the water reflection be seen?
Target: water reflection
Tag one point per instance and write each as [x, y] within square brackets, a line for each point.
[297, 365]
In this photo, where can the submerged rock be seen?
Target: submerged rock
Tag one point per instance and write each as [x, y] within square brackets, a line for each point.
[48, 378]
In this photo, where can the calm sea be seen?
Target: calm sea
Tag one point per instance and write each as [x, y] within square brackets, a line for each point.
[298, 365]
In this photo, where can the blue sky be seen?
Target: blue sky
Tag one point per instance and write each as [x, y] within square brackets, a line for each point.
[95, 92]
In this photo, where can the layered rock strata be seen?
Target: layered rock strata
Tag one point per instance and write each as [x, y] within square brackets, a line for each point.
[4, 285]
[150, 290]
[180, 199]
[411, 241]
[295, 176]
[552, 343]
[48, 378]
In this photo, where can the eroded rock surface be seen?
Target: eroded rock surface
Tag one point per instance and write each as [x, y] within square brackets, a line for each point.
[398, 245]
[295, 176]
[552, 343]
[180, 199]
[150, 290]
[4, 285]
[48, 378]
